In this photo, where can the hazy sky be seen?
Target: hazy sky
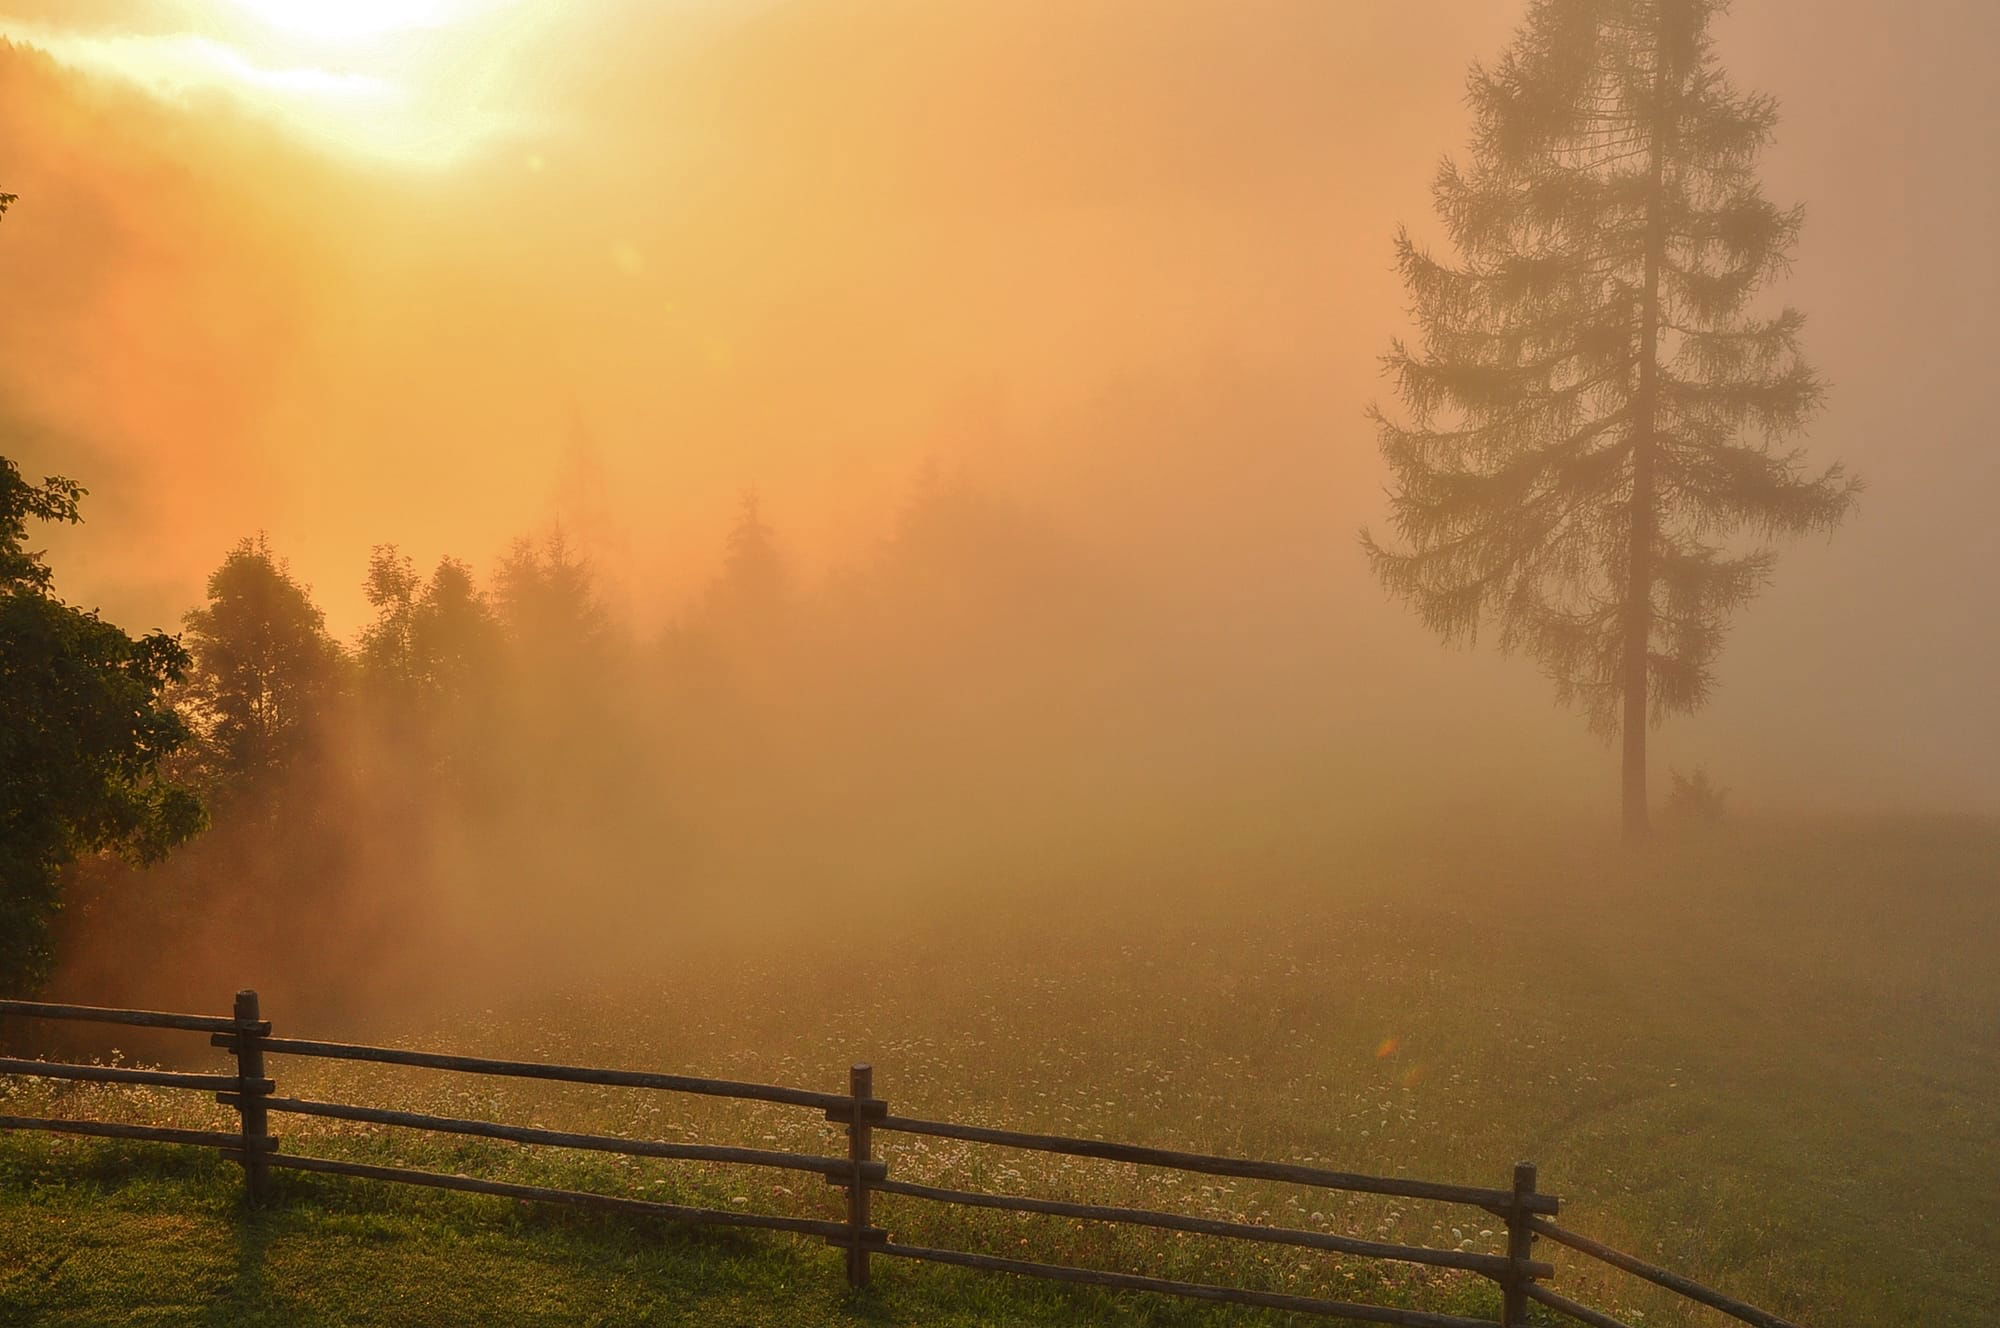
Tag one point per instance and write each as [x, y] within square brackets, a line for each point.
[443, 272]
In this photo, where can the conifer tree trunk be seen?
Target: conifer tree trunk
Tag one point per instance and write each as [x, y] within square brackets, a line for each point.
[1638, 626]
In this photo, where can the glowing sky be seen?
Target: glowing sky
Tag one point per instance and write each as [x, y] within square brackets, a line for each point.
[613, 262]
[420, 82]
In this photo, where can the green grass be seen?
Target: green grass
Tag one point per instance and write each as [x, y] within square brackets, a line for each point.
[1767, 1059]
[116, 1235]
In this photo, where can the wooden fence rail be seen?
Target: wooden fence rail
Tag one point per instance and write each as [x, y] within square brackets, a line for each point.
[247, 1035]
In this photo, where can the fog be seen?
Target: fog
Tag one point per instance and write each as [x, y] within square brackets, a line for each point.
[1085, 301]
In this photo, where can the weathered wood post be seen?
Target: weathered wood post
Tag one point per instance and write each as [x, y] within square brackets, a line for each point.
[1520, 1246]
[251, 1089]
[860, 1151]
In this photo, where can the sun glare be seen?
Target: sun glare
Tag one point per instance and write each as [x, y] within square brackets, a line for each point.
[346, 21]
[420, 82]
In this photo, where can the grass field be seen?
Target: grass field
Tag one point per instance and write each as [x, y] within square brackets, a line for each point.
[1769, 1058]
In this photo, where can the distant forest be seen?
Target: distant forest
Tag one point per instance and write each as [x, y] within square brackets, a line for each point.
[490, 750]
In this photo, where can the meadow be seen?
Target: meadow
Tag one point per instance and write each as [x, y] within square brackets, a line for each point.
[1766, 1055]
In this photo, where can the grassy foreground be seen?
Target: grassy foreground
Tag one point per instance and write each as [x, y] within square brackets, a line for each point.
[1767, 1059]
[114, 1235]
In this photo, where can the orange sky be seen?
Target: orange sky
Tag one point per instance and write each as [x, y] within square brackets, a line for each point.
[443, 283]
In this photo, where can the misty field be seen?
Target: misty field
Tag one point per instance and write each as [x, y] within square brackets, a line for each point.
[1766, 1058]
[1384, 588]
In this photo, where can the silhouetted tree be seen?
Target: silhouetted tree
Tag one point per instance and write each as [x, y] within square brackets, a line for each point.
[430, 640]
[1596, 408]
[387, 653]
[83, 734]
[749, 596]
[729, 650]
[547, 604]
[265, 668]
[454, 636]
[565, 698]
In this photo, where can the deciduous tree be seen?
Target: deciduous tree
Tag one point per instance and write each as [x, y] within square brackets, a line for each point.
[83, 734]
[265, 667]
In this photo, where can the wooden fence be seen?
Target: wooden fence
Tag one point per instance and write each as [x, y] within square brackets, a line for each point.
[1527, 1212]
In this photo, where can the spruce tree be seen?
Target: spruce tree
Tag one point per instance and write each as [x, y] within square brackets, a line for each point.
[754, 577]
[1601, 417]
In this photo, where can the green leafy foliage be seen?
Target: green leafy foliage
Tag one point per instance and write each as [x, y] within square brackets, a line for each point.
[432, 641]
[84, 734]
[266, 668]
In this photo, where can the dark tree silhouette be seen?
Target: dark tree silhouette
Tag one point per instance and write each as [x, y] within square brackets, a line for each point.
[430, 641]
[543, 590]
[754, 580]
[1597, 412]
[427, 663]
[265, 668]
[387, 650]
[454, 637]
[83, 734]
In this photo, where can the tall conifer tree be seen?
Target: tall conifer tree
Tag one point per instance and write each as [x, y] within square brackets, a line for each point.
[1599, 415]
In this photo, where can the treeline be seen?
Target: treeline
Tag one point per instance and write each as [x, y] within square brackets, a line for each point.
[499, 774]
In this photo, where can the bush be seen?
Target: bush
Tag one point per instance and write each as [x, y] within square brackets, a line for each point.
[1697, 798]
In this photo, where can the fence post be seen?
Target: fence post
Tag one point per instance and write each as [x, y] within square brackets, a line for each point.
[250, 1094]
[860, 1149]
[1520, 1247]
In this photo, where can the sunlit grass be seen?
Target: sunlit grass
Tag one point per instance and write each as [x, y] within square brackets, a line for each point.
[1765, 1060]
